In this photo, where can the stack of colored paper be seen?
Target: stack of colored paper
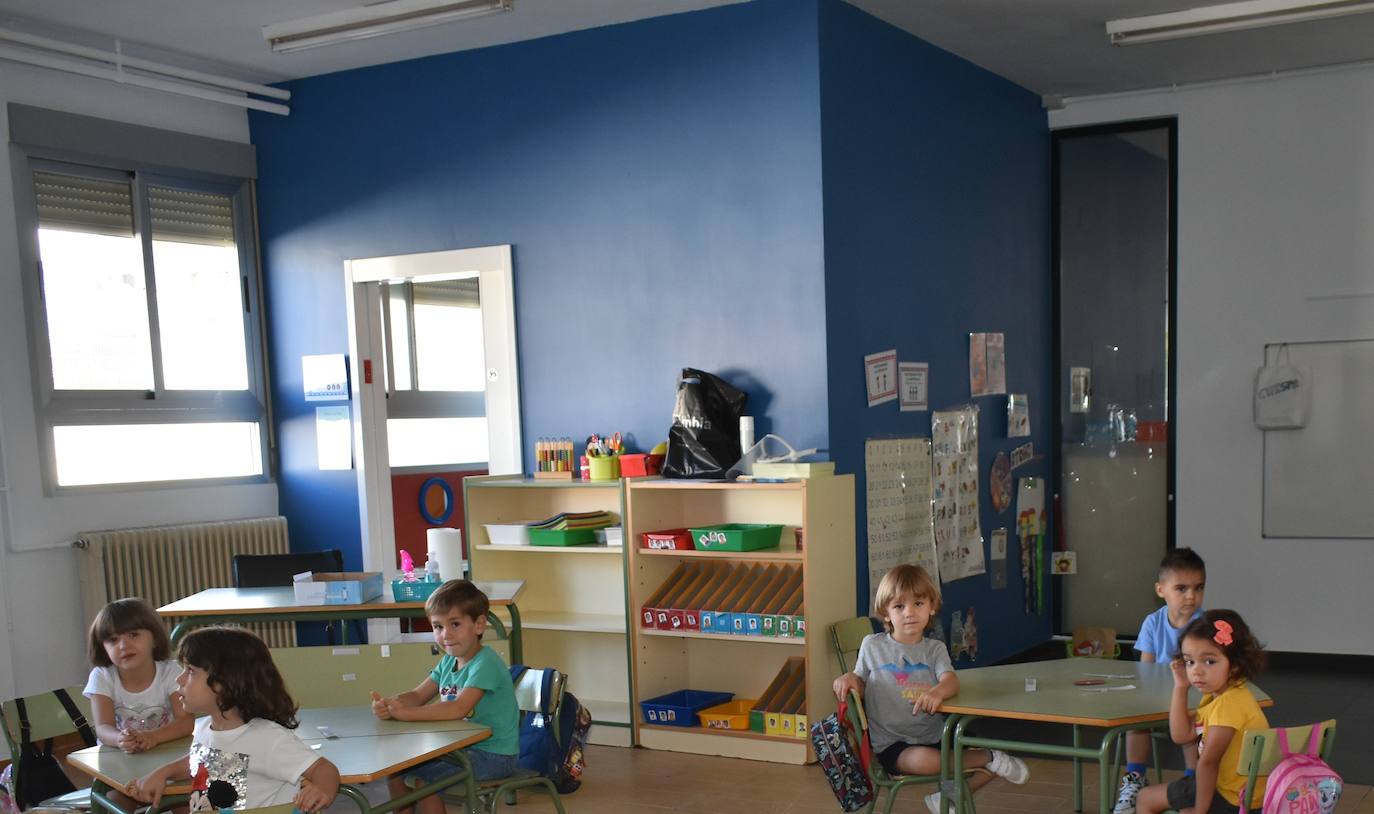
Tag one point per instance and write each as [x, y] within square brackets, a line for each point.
[569, 521]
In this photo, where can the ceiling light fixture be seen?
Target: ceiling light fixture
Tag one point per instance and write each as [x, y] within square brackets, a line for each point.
[373, 21]
[1196, 22]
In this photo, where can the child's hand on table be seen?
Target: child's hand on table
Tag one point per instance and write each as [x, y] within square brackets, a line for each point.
[134, 742]
[379, 706]
[926, 702]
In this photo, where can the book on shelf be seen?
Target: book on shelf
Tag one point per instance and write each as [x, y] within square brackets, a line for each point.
[793, 469]
[568, 521]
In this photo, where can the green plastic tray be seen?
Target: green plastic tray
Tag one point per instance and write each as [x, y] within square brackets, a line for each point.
[736, 537]
[568, 537]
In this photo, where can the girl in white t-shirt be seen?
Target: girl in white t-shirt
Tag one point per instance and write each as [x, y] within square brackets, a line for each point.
[244, 752]
[132, 687]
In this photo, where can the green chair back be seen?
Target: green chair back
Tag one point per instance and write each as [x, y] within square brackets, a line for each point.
[1261, 752]
[343, 676]
[847, 635]
[47, 717]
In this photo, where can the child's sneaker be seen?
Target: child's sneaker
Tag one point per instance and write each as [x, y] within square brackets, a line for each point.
[933, 802]
[1131, 784]
[1010, 768]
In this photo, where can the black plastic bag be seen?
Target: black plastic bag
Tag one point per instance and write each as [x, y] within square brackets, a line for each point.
[704, 439]
[37, 774]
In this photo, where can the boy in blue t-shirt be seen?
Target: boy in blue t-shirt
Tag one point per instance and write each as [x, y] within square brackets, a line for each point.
[1182, 580]
[470, 681]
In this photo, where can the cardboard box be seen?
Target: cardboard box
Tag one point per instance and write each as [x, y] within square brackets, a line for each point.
[339, 588]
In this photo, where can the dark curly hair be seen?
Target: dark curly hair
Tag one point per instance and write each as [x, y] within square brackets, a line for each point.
[239, 668]
[1244, 652]
[123, 616]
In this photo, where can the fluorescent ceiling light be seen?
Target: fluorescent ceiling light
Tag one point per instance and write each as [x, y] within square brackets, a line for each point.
[1228, 17]
[373, 21]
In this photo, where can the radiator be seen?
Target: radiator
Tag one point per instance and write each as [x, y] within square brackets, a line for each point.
[165, 563]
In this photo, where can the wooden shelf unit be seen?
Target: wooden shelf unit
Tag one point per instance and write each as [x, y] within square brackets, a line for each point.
[665, 661]
[573, 610]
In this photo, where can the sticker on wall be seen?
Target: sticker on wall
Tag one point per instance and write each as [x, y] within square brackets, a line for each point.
[1018, 415]
[1023, 454]
[333, 438]
[1065, 562]
[1080, 389]
[880, 374]
[914, 386]
[997, 555]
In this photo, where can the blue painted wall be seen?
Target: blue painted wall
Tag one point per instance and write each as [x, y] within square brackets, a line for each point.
[659, 181]
[937, 222]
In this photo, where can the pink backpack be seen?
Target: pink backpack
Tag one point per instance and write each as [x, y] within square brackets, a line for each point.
[1301, 783]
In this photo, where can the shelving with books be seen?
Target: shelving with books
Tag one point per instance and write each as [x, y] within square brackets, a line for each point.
[573, 611]
[668, 658]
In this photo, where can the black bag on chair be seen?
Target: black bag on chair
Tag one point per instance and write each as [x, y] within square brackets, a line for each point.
[704, 439]
[37, 774]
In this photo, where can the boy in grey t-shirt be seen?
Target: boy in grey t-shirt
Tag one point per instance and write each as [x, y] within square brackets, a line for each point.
[903, 677]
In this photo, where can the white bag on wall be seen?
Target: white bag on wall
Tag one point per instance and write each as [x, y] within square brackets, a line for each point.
[1281, 394]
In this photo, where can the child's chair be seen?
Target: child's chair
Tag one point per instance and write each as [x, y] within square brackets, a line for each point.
[529, 696]
[48, 718]
[848, 634]
[1260, 753]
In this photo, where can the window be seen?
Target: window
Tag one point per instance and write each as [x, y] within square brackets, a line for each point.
[147, 351]
[436, 371]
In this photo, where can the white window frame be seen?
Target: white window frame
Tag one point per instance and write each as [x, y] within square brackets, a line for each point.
[159, 405]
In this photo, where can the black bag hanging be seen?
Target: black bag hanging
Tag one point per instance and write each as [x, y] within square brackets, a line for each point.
[704, 439]
[37, 774]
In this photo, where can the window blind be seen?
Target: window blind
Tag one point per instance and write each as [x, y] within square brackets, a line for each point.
[77, 204]
[187, 216]
[450, 293]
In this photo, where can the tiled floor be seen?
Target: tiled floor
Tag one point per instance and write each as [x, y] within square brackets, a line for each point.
[639, 781]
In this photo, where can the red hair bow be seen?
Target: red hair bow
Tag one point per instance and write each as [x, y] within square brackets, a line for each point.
[1223, 634]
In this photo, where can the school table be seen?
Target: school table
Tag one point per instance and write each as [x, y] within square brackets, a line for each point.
[278, 604]
[1001, 692]
[364, 750]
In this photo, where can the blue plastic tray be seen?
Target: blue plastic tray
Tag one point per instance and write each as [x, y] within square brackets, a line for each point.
[680, 708]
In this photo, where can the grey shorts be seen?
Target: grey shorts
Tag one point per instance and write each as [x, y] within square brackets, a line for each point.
[485, 766]
[1183, 792]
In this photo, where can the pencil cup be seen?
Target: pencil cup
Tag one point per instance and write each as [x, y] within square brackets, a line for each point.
[605, 467]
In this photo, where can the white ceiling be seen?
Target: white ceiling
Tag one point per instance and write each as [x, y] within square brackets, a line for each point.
[1054, 48]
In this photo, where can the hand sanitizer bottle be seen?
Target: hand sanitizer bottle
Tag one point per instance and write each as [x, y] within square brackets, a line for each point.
[431, 568]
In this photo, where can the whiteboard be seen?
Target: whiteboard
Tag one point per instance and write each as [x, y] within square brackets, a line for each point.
[1317, 480]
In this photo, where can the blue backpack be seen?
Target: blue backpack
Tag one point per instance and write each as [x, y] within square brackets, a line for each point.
[548, 747]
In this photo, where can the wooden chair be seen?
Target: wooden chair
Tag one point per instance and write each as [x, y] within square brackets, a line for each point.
[1260, 753]
[48, 718]
[530, 697]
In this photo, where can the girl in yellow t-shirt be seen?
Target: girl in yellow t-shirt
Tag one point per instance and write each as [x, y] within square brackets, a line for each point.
[1217, 655]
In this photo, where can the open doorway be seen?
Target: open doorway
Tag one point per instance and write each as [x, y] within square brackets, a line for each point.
[435, 379]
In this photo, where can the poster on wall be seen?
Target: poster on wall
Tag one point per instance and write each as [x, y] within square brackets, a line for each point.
[954, 490]
[914, 386]
[898, 501]
[997, 559]
[996, 345]
[880, 376]
[1018, 415]
[977, 364]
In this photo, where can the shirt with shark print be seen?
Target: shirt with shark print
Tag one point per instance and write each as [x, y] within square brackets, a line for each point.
[894, 675]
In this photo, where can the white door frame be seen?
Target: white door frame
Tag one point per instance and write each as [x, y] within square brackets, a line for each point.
[366, 351]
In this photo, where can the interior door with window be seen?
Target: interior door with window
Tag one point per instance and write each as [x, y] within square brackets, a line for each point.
[437, 332]
[1115, 206]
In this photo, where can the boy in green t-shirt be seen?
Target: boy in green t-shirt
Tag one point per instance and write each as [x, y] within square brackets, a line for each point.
[470, 681]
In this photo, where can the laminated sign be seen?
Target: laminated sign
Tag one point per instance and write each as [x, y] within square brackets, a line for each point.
[1281, 394]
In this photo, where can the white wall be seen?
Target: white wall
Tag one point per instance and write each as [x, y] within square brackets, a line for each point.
[1276, 203]
[41, 622]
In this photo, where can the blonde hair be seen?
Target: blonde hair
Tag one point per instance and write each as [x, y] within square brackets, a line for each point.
[911, 579]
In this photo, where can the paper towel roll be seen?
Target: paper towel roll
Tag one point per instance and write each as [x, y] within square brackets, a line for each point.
[446, 547]
[746, 434]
